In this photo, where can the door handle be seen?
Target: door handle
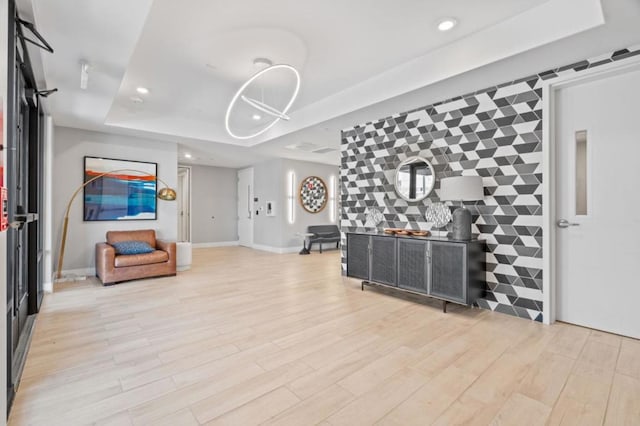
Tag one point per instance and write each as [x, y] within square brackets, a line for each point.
[26, 217]
[22, 219]
[564, 223]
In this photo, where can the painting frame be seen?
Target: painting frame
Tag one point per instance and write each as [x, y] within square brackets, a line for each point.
[310, 189]
[122, 196]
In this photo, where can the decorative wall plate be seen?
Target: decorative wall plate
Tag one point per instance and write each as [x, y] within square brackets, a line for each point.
[313, 194]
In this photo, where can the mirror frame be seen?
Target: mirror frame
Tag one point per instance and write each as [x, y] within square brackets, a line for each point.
[395, 180]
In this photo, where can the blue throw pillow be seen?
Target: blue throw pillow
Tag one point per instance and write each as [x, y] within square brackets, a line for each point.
[132, 247]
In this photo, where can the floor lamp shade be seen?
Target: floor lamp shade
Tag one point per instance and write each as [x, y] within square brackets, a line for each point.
[461, 188]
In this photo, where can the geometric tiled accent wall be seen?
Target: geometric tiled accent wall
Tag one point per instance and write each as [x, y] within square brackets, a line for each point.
[495, 133]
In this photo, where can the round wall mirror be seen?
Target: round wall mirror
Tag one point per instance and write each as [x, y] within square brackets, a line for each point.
[415, 179]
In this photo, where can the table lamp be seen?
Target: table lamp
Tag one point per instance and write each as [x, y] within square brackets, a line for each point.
[461, 188]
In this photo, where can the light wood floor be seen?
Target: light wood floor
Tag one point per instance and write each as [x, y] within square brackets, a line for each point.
[248, 337]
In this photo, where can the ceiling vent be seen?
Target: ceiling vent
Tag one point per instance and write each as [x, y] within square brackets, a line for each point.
[310, 147]
[324, 150]
[303, 146]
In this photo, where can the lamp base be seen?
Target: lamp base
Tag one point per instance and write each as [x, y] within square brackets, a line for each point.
[69, 277]
[461, 224]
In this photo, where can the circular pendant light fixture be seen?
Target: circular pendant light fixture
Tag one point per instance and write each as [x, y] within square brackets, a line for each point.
[260, 108]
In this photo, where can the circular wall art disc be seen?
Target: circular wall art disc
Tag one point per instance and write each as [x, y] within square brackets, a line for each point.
[313, 194]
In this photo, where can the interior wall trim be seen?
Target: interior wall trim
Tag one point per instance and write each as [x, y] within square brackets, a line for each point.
[278, 250]
[549, 162]
[190, 196]
[215, 244]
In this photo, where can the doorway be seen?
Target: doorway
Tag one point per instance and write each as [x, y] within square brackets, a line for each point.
[184, 204]
[597, 202]
[245, 207]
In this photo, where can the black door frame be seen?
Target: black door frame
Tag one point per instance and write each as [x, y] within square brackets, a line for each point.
[24, 167]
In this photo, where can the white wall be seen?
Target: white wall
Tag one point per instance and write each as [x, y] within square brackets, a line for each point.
[4, 17]
[302, 169]
[214, 208]
[70, 147]
[270, 184]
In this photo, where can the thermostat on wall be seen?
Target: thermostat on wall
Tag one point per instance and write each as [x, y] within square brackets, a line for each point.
[271, 208]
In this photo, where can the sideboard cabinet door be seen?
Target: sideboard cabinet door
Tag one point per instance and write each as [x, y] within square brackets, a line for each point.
[412, 265]
[383, 260]
[358, 256]
[449, 271]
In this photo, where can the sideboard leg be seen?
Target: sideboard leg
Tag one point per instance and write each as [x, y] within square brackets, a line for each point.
[362, 286]
[444, 306]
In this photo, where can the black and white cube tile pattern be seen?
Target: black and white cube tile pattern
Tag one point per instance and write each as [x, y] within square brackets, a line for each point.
[495, 133]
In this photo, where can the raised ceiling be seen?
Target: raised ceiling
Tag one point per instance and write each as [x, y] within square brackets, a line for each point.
[194, 54]
[194, 68]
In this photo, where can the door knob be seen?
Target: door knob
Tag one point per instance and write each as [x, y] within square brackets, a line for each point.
[564, 223]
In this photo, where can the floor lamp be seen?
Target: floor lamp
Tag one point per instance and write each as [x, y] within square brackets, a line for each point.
[167, 194]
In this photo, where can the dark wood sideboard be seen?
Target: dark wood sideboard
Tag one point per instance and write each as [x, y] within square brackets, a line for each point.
[448, 270]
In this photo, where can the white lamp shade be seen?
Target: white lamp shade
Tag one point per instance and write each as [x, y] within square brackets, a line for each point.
[461, 188]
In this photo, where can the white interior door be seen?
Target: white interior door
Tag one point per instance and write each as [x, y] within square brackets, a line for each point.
[245, 207]
[598, 152]
[184, 204]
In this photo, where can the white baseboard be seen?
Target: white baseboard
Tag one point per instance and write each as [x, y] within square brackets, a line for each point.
[279, 250]
[216, 244]
[47, 287]
[295, 249]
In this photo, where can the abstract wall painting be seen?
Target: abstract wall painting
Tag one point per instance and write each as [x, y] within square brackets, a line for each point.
[126, 192]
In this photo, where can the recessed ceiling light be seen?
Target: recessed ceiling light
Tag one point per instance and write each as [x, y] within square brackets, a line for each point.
[256, 117]
[142, 90]
[446, 24]
[187, 155]
[136, 99]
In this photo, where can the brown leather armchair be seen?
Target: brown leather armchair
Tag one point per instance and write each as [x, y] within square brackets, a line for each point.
[112, 268]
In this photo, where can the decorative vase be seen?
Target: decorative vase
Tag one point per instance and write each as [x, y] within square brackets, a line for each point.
[438, 214]
[461, 224]
[374, 217]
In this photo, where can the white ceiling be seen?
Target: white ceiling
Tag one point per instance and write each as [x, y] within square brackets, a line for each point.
[356, 58]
